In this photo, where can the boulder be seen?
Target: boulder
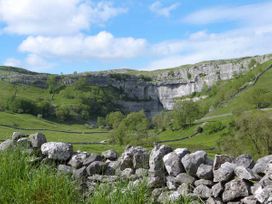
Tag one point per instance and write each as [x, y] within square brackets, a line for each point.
[212, 200]
[244, 173]
[17, 135]
[80, 173]
[181, 152]
[173, 164]
[24, 142]
[221, 159]
[235, 189]
[110, 154]
[37, 139]
[244, 160]
[156, 181]
[111, 167]
[260, 166]
[217, 189]
[96, 167]
[224, 173]
[7, 144]
[141, 173]
[203, 182]
[185, 189]
[202, 191]
[77, 160]
[65, 169]
[184, 178]
[141, 159]
[127, 173]
[57, 150]
[192, 161]
[264, 195]
[156, 160]
[205, 172]
[249, 200]
[171, 183]
[91, 158]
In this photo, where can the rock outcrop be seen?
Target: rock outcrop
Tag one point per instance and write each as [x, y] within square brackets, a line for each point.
[155, 91]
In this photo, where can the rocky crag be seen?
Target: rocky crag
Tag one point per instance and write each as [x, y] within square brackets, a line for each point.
[170, 173]
[151, 91]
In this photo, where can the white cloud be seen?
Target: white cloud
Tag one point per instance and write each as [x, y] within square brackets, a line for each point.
[12, 62]
[101, 46]
[259, 13]
[54, 17]
[158, 8]
[209, 46]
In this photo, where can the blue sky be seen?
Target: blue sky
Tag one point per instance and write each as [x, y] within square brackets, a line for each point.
[88, 35]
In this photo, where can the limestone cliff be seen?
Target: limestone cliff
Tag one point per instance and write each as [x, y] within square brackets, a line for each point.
[155, 90]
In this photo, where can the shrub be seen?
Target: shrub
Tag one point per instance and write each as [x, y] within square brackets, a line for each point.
[21, 105]
[214, 127]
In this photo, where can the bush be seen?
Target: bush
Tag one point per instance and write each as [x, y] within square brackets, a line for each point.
[21, 105]
[214, 127]
[162, 121]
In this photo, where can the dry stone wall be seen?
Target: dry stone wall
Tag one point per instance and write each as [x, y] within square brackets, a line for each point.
[170, 173]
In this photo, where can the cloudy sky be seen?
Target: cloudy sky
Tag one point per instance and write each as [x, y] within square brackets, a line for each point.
[87, 35]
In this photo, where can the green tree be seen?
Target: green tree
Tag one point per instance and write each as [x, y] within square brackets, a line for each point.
[53, 85]
[132, 129]
[114, 119]
[251, 133]
[185, 113]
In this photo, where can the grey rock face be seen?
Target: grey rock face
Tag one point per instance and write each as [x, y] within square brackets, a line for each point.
[110, 154]
[57, 150]
[244, 173]
[156, 160]
[205, 172]
[65, 169]
[6, 145]
[17, 135]
[77, 160]
[171, 183]
[221, 159]
[184, 178]
[96, 167]
[235, 189]
[173, 164]
[244, 160]
[260, 166]
[91, 158]
[191, 162]
[217, 189]
[37, 140]
[202, 191]
[224, 173]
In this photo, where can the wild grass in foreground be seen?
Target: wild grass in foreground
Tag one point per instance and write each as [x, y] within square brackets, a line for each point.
[22, 183]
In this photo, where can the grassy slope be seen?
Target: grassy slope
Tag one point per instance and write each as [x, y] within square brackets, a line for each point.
[202, 140]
